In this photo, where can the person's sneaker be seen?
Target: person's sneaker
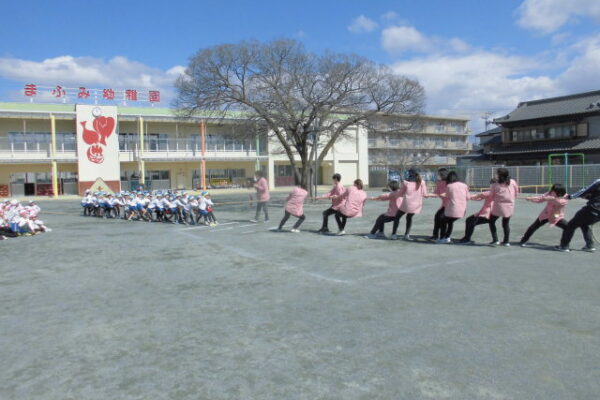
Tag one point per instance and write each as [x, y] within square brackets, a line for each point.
[524, 244]
[50, 230]
[588, 249]
[266, 220]
[294, 230]
[370, 236]
[465, 241]
[2, 237]
[495, 243]
[276, 229]
[505, 244]
[253, 221]
[341, 233]
[444, 241]
[213, 224]
[562, 249]
[433, 238]
[408, 238]
[394, 237]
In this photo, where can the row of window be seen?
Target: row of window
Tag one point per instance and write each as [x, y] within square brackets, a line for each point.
[419, 141]
[442, 126]
[211, 173]
[163, 142]
[31, 140]
[41, 177]
[558, 132]
[127, 141]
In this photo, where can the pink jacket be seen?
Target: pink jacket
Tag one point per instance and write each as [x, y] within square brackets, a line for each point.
[394, 204]
[504, 197]
[486, 208]
[440, 187]
[354, 201]
[337, 190]
[295, 201]
[555, 207]
[262, 190]
[413, 197]
[458, 195]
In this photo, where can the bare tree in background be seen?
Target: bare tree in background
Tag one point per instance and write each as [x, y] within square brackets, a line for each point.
[301, 98]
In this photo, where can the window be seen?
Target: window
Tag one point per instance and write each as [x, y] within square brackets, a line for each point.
[284, 170]
[440, 127]
[395, 141]
[43, 177]
[458, 127]
[372, 142]
[158, 175]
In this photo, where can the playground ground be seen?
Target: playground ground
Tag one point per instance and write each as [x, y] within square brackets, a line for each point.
[109, 309]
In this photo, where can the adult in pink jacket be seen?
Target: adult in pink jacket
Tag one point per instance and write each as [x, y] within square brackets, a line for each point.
[262, 195]
[295, 206]
[553, 213]
[504, 195]
[458, 196]
[335, 194]
[440, 189]
[412, 192]
[354, 201]
[481, 217]
[394, 201]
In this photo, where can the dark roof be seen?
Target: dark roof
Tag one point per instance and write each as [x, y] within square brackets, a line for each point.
[581, 145]
[581, 103]
[489, 132]
[493, 140]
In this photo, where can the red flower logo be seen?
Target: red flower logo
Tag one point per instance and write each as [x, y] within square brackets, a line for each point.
[103, 128]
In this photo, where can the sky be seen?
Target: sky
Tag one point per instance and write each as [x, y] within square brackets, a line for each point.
[472, 57]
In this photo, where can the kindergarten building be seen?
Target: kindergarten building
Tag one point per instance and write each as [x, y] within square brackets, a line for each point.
[48, 149]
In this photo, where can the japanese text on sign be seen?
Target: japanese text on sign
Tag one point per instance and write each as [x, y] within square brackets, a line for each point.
[32, 90]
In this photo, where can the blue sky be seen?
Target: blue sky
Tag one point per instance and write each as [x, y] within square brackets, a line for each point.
[471, 56]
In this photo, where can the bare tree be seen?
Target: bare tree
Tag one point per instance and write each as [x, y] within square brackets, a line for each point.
[299, 97]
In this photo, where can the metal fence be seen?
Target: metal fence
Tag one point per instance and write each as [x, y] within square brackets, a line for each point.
[532, 179]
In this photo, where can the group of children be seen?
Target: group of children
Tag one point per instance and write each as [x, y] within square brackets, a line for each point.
[19, 220]
[172, 207]
[406, 198]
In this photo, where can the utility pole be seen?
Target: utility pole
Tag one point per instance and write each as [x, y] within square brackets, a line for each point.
[486, 117]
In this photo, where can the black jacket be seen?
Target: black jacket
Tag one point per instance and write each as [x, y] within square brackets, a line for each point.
[591, 193]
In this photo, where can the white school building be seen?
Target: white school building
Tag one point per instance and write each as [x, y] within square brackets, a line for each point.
[48, 149]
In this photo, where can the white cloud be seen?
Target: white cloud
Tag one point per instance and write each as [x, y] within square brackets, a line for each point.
[397, 39]
[547, 16]
[582, 73]
[478, 81]
[362, 24]
[118, 72]
[68, 71]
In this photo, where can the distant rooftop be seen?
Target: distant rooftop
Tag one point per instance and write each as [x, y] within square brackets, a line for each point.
[580, 103]
[490, 132]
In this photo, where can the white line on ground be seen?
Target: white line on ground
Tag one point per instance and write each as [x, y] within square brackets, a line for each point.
[221, 230]
[206, 226]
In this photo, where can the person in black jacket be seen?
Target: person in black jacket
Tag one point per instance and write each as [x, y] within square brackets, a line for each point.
[584, 218]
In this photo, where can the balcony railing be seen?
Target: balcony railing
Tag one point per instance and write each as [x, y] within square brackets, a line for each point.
[187, 146]
[21, 147]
